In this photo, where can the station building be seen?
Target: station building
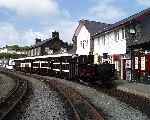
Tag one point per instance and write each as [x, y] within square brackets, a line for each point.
[82, 39]
[124, 43]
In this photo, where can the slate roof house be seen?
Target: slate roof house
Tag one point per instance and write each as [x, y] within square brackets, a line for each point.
[82, 40]
[49, 46]
[127, 42]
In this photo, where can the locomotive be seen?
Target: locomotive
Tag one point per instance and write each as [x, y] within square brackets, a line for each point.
[67, 66]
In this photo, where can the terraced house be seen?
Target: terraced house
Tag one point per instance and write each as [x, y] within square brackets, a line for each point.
[49, 46]
[82, 39]
[126, 44]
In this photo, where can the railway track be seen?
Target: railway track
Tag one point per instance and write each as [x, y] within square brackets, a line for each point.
[136, 101]
[16, 94]
[125, 107]
[82, 109]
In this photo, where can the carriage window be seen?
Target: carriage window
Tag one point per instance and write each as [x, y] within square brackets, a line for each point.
[36, 64]
[26, 65]
[44, 64]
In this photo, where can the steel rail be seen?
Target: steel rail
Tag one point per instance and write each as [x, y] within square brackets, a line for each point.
[82, 108]
[9, 102]
[139, 102]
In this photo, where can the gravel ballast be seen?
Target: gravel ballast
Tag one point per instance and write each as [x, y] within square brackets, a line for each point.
[113, 109]
[41, 103]
[6, 85]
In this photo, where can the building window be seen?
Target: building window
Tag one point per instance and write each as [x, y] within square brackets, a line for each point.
[39, 51]
[103, 40]
[87, 43]
[81, 43]
[98, 41]
[35, 52]
[84, 43]
[117, 35]
[123, 33]
[46, 50]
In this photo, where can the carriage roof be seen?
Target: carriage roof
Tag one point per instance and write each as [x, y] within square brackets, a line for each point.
[44, 56]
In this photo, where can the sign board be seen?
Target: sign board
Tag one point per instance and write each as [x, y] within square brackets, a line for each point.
[136, 63]
[128, 63]
[142, 63]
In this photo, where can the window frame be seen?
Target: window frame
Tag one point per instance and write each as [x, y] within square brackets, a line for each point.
[123, 33]
[117, 35]
[103, 39]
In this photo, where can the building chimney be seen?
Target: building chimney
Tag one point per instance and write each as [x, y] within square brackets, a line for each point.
[37, 40]
[55, 35]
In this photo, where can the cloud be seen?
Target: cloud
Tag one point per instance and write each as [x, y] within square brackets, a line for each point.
[57, 19]
[107, 11]
[31, 7]
[10, 35]
[144, 2]
[65, 28]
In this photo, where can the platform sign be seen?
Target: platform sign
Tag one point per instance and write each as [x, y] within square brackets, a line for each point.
[142, 63]
[136, 63]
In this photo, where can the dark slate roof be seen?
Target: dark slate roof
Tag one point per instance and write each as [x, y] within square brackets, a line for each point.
[93, 26]
[41, 43]
[51, 42]
[124, 21]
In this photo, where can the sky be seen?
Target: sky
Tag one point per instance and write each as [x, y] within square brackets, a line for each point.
[21, 21]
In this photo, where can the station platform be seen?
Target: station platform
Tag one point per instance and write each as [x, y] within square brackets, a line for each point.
[6, 86]
[135, 88]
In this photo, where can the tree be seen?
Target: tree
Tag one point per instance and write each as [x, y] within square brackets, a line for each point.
[9, 55]
[17, 48]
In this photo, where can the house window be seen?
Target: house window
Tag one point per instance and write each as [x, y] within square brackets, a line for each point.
[98, 41]
[123, 33]
[87, 43]
[117, 35]
[81, 43]
[84, 42]
[46, 50]
[103, 40]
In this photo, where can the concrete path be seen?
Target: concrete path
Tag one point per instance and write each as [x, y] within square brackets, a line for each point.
[136, 88]
[6, 85]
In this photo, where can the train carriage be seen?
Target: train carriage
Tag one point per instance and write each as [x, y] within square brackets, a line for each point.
[65, 66]
[35, 67]
[68, 67]
[57, 67]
